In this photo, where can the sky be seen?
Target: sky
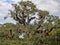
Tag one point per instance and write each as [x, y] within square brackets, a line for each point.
[53, 6]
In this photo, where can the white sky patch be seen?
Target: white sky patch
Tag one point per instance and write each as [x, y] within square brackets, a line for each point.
[4, 7]
[16, 1]
[10, 20]
[49, 5]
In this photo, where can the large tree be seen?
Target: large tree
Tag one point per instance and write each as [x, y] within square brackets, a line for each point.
[22, 12]
[25, 10]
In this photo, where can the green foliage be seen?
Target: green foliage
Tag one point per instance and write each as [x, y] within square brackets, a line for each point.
[36, 39]
[23, 11]
[43, 13]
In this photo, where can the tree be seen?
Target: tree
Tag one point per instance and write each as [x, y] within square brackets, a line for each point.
[22, 12]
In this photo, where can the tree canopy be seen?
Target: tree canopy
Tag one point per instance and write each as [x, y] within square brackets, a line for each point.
[22, 12]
